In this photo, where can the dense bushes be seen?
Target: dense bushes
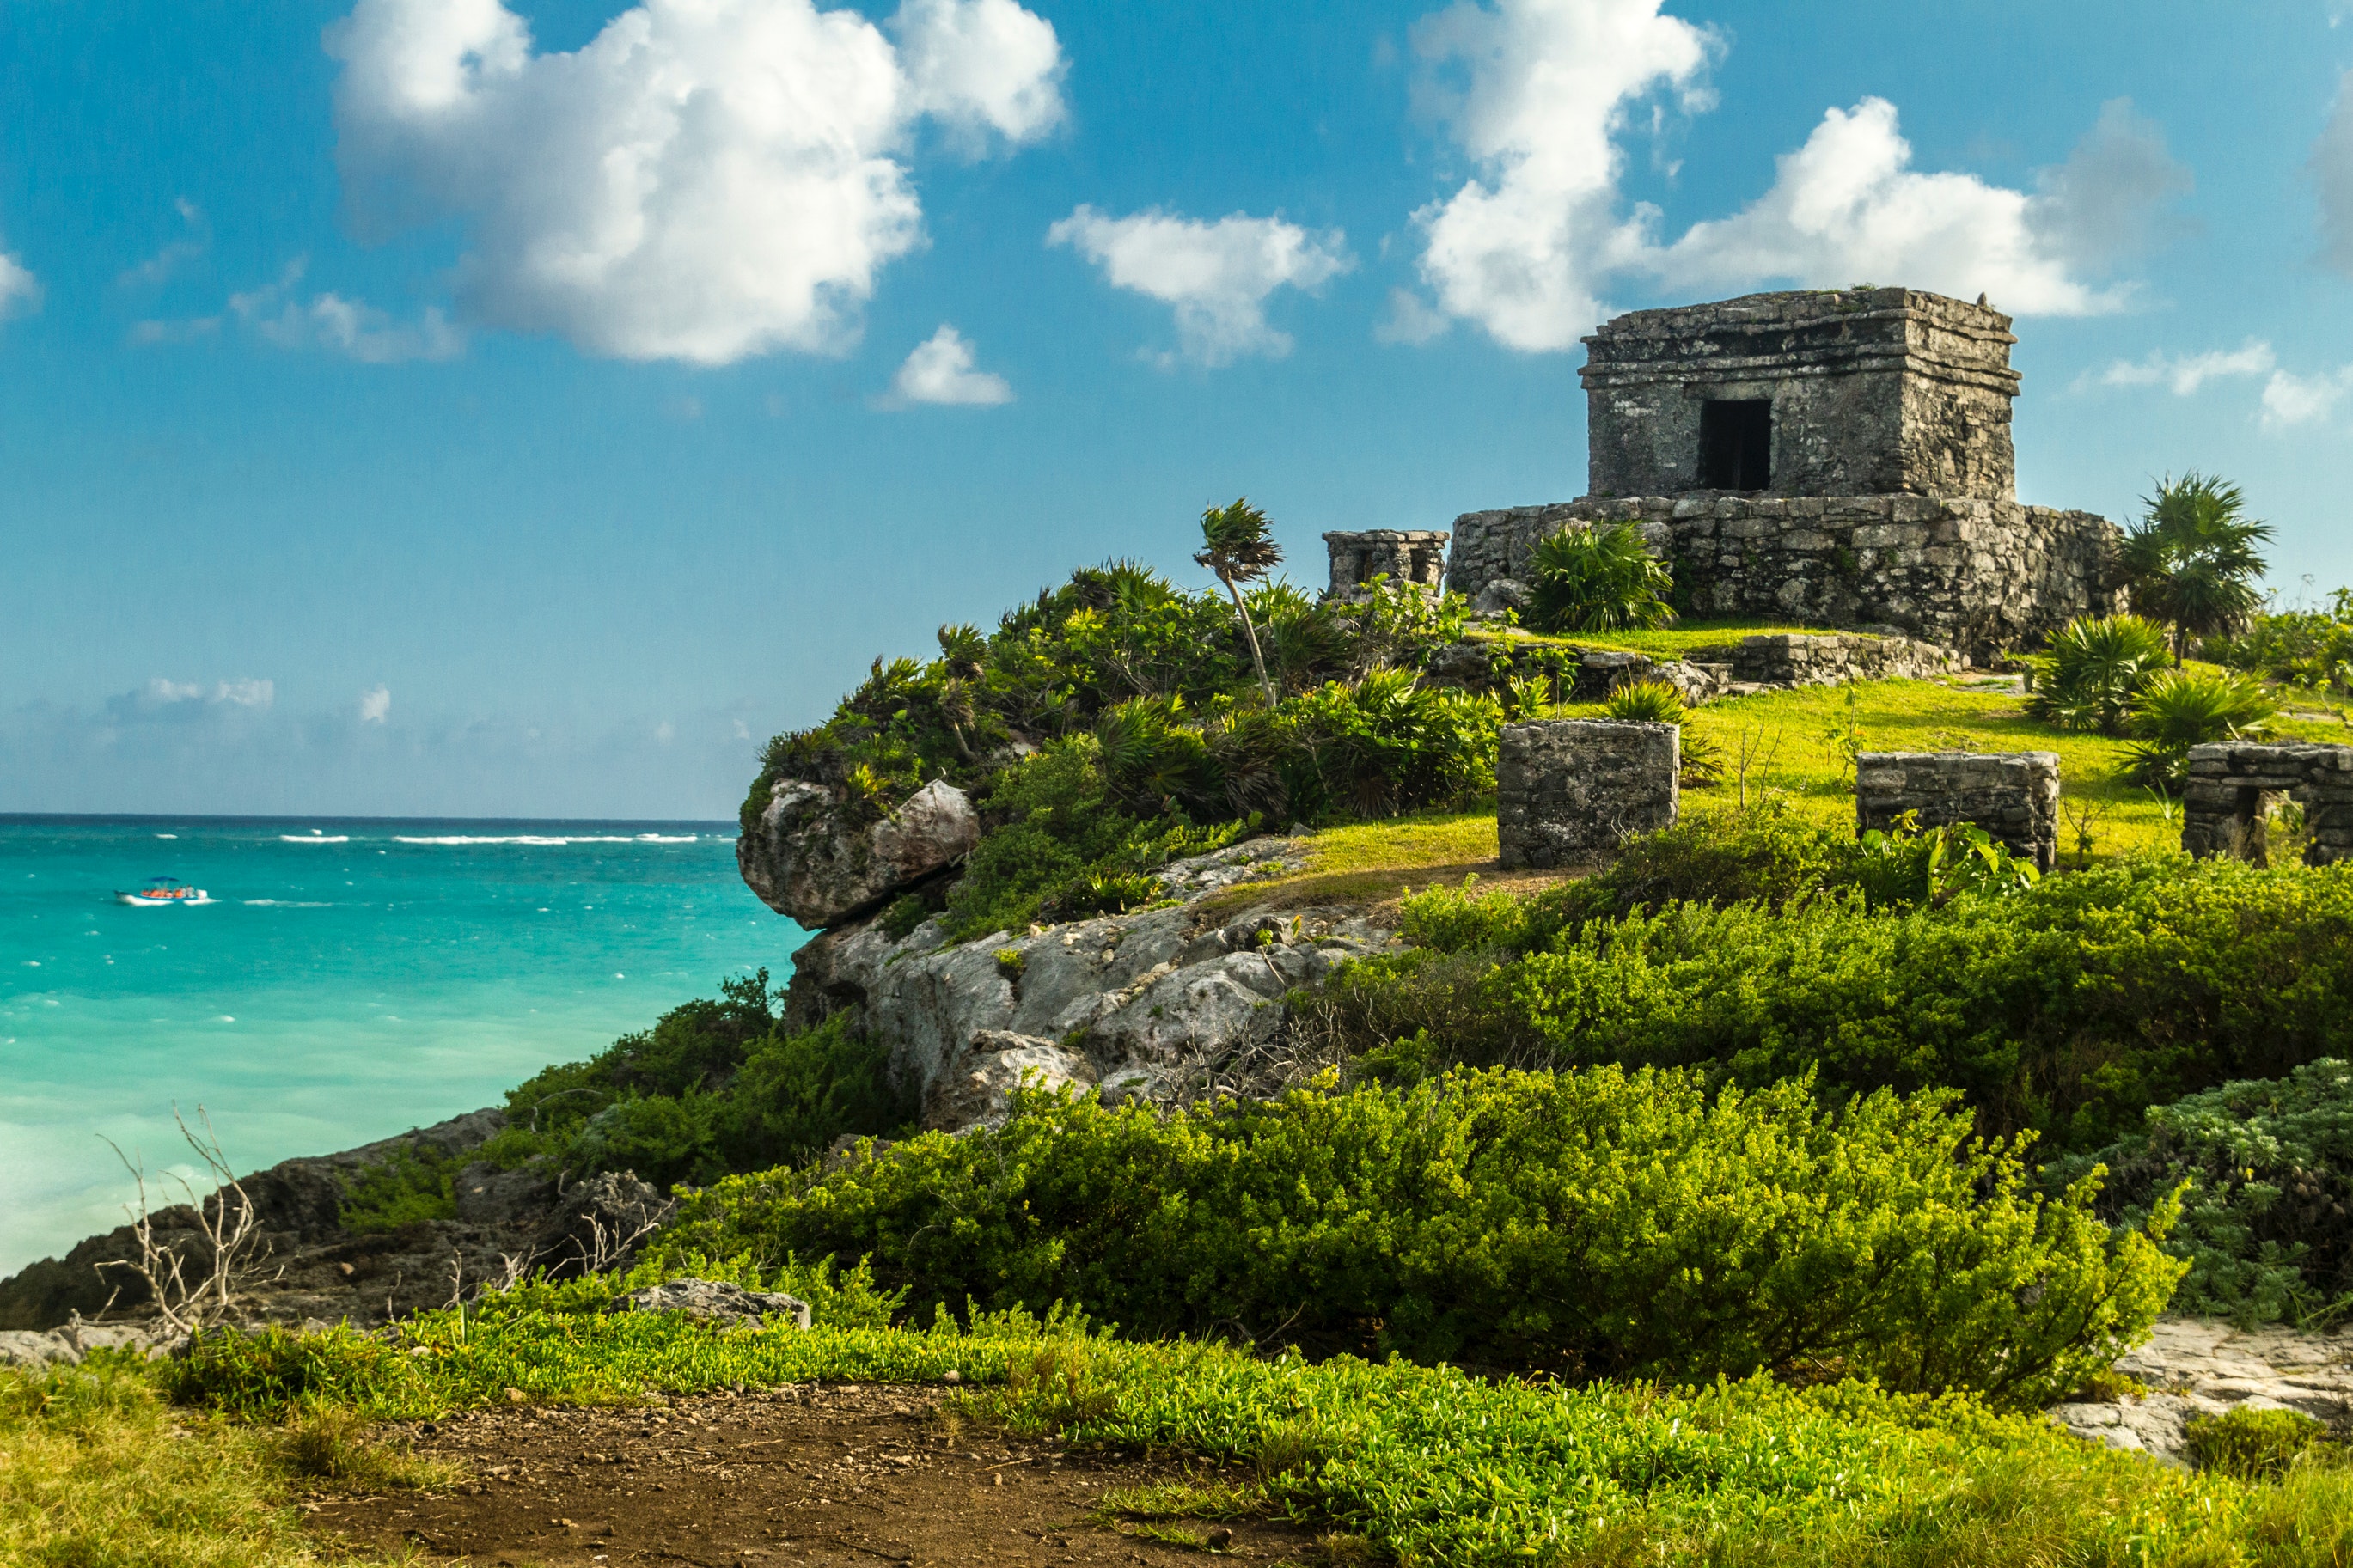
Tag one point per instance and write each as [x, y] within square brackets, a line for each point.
[1597, 1223]
[2302, 647]
[2268, 1224]
[1113, 634]
[1602, 578]
[714, 1086]
[2068, 1007]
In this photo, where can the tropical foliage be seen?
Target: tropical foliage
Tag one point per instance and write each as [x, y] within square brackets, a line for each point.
[2178, 709]
[2088, 675]
[1598, 578]
[2195, 557]
[2297, 647]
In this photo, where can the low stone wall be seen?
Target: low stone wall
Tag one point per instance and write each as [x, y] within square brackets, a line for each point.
[1415, 556]
[2223, 811]
[1754, 664]
[1567, 790]
[1979, 575]
[2013, 795]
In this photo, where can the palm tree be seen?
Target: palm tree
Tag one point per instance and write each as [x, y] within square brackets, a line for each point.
[2192, 561]
[1238, 545]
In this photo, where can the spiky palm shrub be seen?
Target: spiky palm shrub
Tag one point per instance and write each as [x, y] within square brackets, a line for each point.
[1644, 702]
[2086, 678]
[2178, 709]
[1598, 579]
[1238, 546]
[2193, 560]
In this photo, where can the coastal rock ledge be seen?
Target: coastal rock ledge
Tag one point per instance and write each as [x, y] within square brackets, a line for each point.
[811, 860]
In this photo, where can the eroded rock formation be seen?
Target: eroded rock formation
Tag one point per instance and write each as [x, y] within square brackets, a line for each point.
[812, 858]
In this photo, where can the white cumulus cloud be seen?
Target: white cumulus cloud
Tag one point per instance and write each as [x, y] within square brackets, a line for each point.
[2291, 399]
[375, 705]
[1218, 275]
[330, 321]
[703, 181]
[2183, 374]
[941, 370]
[161, 694]
[1545, 93]
[2331, 175]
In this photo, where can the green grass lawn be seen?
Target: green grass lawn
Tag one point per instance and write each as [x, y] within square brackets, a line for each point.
[1407, 1464]
[1666, 642]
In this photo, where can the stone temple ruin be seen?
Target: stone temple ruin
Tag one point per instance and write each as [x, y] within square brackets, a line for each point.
[1837, 458]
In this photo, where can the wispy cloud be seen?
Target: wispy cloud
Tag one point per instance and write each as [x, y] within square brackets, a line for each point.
[348, 327]
[375, 705]
[190, 245]
[20, 291]
[2183, 374]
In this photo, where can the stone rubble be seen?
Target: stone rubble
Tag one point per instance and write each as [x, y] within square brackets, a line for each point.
[715, 1301]
[2206, 1366]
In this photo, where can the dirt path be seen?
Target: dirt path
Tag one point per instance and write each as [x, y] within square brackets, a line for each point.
[812, 1474]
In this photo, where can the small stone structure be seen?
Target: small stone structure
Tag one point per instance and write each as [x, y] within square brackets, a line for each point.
[1567, 790]
[1415, 556]
[1837, 457]
[2013, 795]
[2233, 787]
[1809, 392]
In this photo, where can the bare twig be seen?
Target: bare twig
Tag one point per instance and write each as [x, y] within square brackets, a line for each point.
[195, 1285]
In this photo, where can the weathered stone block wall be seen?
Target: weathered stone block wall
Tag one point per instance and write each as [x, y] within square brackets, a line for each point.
[2013, 795]
[1415, 556]
[2223, 809]
[1873, 391]
[1976, 575]
[1569, 789]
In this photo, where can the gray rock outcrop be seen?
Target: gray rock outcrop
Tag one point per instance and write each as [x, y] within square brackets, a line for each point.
[810, 860]
[1153, 1004]
[715, 1301]
[2205, 1366]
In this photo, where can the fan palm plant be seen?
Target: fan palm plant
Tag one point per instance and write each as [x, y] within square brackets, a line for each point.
[2178, 709]
[1238, 546]
[2192, 561]
[2086, 678]
[1598, 580]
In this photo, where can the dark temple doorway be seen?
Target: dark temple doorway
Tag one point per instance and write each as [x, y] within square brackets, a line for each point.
[1736, 444]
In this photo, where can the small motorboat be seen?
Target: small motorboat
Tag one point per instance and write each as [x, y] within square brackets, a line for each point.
[161, 890]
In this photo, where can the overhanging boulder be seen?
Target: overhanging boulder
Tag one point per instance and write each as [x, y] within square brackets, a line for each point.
[809, 859]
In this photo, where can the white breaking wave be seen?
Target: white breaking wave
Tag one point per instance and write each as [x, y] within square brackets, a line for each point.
[283, 904]
[167, 836]
[462, 838]
[314, 839]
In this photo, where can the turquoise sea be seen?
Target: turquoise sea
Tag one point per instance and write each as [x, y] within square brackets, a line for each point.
[347, 980]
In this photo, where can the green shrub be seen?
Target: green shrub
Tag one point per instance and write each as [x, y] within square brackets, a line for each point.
[2250, 1445]
[2068, 1007]
[714, 1086]
[2298, 647]
[1601, 578]
[414, 1182]
[1644, 702]
[2264, 1225]
[1598, 1223]
[2178, 709]
[2087, 676]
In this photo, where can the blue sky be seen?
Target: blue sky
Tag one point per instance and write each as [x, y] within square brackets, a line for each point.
[439, 407]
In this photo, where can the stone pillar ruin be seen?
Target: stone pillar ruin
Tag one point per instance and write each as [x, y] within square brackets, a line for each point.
[1408, 555]
[1569, 790]
[2013, 795]
[2233, 788]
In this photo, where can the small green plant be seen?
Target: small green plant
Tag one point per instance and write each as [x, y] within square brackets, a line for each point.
[2087, 676]
[1598, 579]
[335, 1446]
[1010, 962]
[1702, 762]
[413, 1183]
[2178, 709]
[2250, 1445]
[904, 915]
[1644, 702]
[2082, 816]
